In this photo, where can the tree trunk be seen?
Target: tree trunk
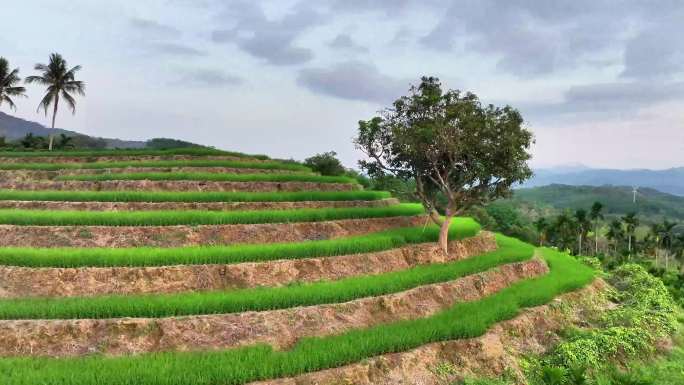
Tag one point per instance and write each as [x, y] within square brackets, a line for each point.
[629, 246]
[579, 250]
[596, 239]
[54, 116]
[444, 233]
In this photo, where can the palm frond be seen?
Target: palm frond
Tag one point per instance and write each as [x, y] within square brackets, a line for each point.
[71, 102]
[15, 91]
[75, 86]
[45, 102]
[9, 102]
[37, 79]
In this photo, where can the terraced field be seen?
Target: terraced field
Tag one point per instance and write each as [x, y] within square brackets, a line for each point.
[194, 267]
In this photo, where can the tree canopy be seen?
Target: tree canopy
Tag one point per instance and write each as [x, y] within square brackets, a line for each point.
[450, 144]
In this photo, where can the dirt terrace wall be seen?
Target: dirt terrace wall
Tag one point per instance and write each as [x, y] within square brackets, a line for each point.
[209, 206]
[495, 354]
[176, 236]
[49, 282]
[280, 328]
[127, 158]
[28, 175]
[178, 185]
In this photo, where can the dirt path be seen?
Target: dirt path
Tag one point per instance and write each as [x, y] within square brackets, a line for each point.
[177, 185]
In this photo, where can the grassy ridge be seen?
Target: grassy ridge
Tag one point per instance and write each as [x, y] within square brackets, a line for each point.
[264, 298]
[155, 256]
[263, 165]
[214, 177]
[261, 362]
[195, 151]
[190, 196]
[197, 217]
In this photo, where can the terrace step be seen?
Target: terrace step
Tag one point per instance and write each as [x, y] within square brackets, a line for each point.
[179, 185]
[177, 236]
[279, 328]
[121, 158]
[70, 282]
[494, 355]
[209, 206]
[30, 175]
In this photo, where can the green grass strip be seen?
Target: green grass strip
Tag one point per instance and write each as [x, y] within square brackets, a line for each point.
[263, 298]
[214, 177]
[156, 256]
[197, 217]
[124, 152]
[263, 165]
[190, 196]
[261, 362]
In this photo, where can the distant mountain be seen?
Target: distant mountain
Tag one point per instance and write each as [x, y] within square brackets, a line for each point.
[669, 181]
[13, 128]
[618, 200]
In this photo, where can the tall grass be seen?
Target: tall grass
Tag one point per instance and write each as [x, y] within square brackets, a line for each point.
[190, 196]
[261, 362]
[263, 298]
[195, 151]
[263, 165]
[214, 177]
[197, 217]
[155, 256]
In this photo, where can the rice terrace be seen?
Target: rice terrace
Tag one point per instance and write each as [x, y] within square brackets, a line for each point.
[296, 193]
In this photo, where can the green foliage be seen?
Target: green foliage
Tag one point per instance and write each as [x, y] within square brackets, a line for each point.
[168, 143]
[190, 196]
[197, 217]
[261, 362]
[262, 165]
[206, 176]
[451, 144]
[154, 256]
[326, 164]
[263, 298]
[646, 313]
[127, 152]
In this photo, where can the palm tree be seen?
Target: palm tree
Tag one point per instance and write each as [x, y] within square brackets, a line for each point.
[631, 222]
[583, 224]
[656, 235]
[60, 82]
[8, 84]
[542, 226]
[615, 233]
[596, 215]
[668, 239]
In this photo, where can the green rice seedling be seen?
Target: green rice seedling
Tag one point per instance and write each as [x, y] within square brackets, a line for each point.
[263, 298]
[190, 196]
[263, 165]
[155, 256]
[195, 151]
[262, 362]
[197, 217]
[214, 177]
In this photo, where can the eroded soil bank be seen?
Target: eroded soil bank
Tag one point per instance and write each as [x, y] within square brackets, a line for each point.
[209, 206]
[205, 235]
[495, 354]
[177, 185]
[27, 175]
[56, 282]
[280, 328]
[122, 158]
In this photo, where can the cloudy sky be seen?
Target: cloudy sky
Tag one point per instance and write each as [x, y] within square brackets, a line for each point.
[599, 82]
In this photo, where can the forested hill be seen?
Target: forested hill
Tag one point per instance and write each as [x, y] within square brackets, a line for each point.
[669, 180]
[616, 199]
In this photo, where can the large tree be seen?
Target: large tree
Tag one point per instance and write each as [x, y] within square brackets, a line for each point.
[596, 215]
[451, 145]
[61, 82]
[8, 84]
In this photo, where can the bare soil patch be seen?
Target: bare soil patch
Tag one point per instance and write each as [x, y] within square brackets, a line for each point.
[29, 175]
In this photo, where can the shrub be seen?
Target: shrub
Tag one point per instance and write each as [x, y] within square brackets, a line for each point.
[326, 164]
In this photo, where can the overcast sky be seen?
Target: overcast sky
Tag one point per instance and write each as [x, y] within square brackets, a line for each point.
[599, 82]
